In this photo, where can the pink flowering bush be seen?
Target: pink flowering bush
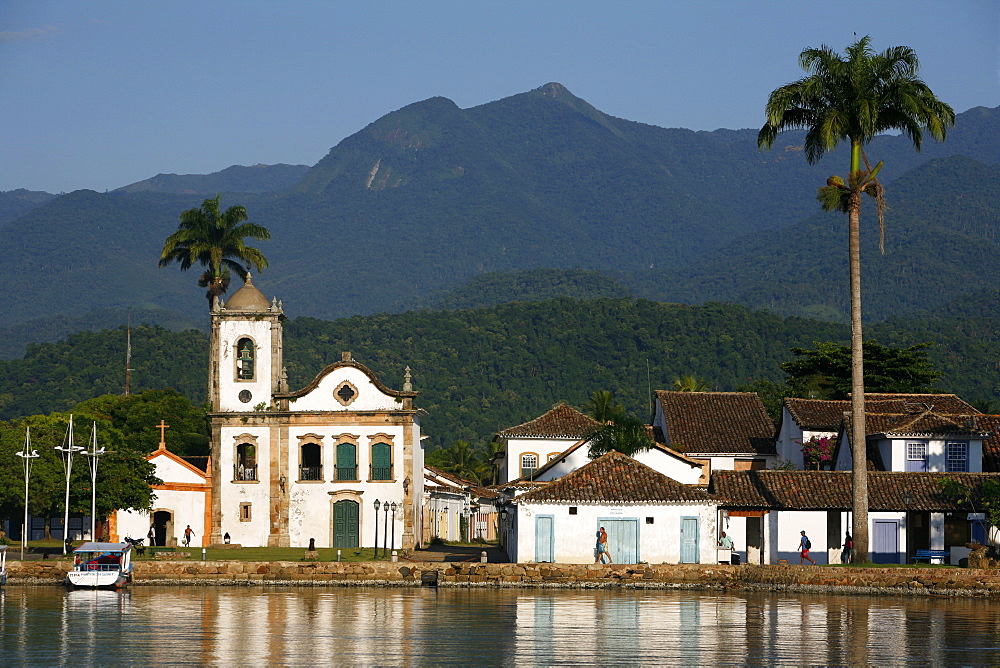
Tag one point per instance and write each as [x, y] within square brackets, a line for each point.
[817, 451]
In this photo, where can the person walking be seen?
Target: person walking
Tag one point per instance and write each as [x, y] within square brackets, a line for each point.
[602, 547]
[152, 536]
[804, 546]
[845, 556]
[187, 536]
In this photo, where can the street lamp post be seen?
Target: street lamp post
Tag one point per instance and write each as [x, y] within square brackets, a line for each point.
[26, 456]
[93, 454]
[377, 504]
[392, 545]
[67, 457]
[385, 529]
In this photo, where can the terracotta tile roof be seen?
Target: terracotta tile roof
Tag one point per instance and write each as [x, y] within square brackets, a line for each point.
[825, 415]
[563, 421]
[717, 422]
[617, 479]
[991, 446]
[831, 490]
[446, 479]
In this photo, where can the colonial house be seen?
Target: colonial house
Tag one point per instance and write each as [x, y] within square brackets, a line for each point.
[290, 466]
[902, 508]
[725, 430]
[451, 502]
[183, 499]
[524, 449]
[803, 419]
[648, 516]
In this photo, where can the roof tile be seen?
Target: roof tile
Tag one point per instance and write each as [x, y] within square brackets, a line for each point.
[717, 422]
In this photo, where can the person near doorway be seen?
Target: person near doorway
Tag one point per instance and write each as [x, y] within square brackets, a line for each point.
[151, 536]
[804, 546]
[845, 556]
[602, 547]
[725, 542]
[188, 532]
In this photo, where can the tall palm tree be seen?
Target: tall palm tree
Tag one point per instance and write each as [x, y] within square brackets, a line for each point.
[215, 241]
[691, 383]
[853, 98]
[602, 406]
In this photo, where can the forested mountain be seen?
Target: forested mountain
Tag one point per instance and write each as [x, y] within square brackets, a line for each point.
[480, 370]
[235, 179]
[531, 285]
[942, 241]
[16, 203]
[431, 196]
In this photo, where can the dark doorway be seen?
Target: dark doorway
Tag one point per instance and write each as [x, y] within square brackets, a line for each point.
[163, 525]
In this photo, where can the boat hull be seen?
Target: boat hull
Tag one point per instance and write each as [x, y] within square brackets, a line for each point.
[97, 579]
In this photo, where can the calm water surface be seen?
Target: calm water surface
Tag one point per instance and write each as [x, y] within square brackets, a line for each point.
[487, 627]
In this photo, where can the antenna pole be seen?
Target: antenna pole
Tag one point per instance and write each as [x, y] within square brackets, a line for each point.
[128, 358]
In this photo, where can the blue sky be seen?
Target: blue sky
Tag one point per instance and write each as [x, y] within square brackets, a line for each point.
[102, 94]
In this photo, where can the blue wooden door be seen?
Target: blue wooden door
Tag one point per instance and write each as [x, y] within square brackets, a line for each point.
[623, 539]
[689, 540]
[885, 541]
[544, 537]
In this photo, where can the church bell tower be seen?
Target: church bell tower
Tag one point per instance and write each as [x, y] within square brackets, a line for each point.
[245, 365]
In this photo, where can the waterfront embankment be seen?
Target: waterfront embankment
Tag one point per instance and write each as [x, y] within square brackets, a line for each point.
[893, 581]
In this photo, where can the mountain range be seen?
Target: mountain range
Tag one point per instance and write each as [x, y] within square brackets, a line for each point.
[536, 195]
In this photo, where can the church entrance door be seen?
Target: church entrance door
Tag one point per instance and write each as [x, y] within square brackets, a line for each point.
[345, 524]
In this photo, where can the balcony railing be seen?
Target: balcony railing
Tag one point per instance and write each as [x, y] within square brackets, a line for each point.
[311, 472]
[346, 472]
[245, 472]
[381, 473]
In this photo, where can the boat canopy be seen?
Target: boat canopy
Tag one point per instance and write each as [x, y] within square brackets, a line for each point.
[102, 547]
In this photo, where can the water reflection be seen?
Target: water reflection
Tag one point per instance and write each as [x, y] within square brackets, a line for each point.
[249, 626]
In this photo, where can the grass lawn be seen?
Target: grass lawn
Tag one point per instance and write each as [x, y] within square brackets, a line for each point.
[54, 548]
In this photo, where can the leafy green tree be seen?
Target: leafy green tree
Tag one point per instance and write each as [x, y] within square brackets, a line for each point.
[216, 241]
[985, 499]
[825, 371]
[602, 406]
[855, 98]
[460, 459]
[625, 434]
[136, 416]
[691, 383]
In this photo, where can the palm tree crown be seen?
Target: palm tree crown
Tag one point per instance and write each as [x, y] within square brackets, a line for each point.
[854, 98]
[215, 241]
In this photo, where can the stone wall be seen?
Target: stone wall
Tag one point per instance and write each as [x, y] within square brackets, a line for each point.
[794, 578]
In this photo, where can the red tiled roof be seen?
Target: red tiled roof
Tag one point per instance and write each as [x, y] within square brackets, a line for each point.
[825, 415]
[831, 490]
[618, 479]
[453, 480]
[561, 422]
[717, 422]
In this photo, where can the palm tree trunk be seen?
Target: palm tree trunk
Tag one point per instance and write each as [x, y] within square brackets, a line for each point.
[859, 440]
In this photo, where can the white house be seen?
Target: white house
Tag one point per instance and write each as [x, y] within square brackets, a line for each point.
[526, 448]
[648, 516]
[184, 499]
[290, 466]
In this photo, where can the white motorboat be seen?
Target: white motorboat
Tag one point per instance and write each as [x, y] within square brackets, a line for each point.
[3, 565]
[101, 565]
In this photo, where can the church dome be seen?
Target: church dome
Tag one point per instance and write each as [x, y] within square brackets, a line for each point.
[247, 298]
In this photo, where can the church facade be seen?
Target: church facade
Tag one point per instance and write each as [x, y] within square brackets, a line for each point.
[290, 466]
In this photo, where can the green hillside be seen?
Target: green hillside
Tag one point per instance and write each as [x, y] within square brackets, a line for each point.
[480, 370]
[427, 198]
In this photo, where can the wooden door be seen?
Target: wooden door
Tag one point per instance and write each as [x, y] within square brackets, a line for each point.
[544, 539]
[885, 541]
[689, 540]
[345, 524]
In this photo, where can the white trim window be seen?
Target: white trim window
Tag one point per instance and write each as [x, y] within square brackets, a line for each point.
[958, 456]
[916, 456]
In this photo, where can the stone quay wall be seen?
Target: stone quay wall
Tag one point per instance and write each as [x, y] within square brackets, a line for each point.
[961, 581]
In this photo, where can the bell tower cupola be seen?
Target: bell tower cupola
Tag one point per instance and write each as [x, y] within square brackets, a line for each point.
[245, 363]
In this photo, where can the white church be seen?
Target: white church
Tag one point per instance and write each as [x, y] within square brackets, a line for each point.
[332, 461]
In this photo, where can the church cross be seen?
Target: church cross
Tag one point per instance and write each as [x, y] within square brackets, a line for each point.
[163, 426]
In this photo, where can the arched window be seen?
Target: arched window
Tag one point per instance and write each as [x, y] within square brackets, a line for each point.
[347, 462]
[245, 359]
[381, 461]
[246, 462]
[529, 463]
[311, 462]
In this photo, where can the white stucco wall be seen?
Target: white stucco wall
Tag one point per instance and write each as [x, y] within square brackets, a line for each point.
[574, 535]
[893, 453]
[791, 437]
[369, 397]
[670, 466]
[570, 463]
[510, 468]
